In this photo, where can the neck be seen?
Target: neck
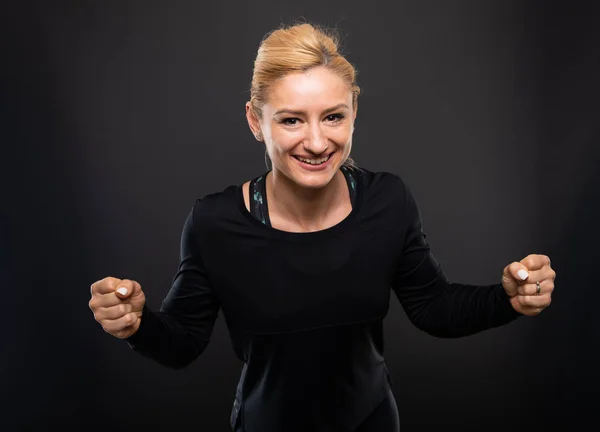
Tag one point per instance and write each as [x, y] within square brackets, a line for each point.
[304, 207]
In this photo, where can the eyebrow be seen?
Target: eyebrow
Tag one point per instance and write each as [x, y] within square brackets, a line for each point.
[297, 112]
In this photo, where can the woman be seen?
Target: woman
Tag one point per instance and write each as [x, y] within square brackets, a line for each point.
[301, 259]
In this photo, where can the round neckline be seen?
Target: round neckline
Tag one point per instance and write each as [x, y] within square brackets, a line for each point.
[334, 230]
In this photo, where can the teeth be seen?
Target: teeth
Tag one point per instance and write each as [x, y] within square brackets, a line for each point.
[313, 161]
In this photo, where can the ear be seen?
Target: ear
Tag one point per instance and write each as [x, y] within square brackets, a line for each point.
[354, 115]
[253, 122]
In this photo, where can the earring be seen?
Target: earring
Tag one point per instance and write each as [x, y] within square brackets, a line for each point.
[258, 136]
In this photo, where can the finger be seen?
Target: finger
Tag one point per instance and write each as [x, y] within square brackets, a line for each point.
[534, 301]
[535, 275]
[529, 289]
[542, 274]
[112, 326]
[112, 312]
[105, 301]
[518, 272]
[104, 286]
[125, 288]
[136, 290]
[535, 261]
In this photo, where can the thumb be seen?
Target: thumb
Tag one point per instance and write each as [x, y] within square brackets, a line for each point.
[125, 289]
[513, 275]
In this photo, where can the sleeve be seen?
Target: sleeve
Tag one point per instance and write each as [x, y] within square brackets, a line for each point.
[432, 303]
[180, 331]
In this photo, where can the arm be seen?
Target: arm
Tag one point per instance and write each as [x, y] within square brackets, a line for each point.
[180, 331]
[432, 303]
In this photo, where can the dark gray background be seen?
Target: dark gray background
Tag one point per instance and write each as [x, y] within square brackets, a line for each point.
[117, 115]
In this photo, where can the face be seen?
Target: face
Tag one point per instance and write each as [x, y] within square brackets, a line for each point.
[308, 115]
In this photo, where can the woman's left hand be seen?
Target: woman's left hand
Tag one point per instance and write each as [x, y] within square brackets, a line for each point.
[529, 284]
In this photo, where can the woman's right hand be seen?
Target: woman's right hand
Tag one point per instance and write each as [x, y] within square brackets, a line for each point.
[117, 305]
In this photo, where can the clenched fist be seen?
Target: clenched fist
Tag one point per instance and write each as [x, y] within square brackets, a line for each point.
[117, 305]
[529, 283]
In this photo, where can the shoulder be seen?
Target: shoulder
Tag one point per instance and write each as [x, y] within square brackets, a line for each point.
[389, 196]
[383, 186]
[215, 206]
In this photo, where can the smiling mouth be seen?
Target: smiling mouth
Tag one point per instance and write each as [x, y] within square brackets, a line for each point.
[319, 161]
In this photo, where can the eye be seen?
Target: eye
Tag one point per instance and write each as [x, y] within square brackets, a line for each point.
[334, 118]
[291, 121]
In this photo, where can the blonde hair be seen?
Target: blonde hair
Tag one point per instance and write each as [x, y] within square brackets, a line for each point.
[298, 48]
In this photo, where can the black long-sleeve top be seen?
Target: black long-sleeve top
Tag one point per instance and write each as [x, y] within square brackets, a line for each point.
[305, 310]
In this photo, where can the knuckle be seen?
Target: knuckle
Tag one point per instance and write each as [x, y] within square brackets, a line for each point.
[94, 288]
[132, 318]
[547, 258]
[106, 326]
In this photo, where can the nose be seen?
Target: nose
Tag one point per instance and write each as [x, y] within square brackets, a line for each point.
[316, 141]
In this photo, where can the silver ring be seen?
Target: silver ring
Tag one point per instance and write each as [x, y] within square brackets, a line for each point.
[537, 288]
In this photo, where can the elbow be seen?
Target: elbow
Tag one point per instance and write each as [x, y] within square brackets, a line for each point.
[442, 333]
[431, 330]
[178, 363]
[431, 325]
[184, 359]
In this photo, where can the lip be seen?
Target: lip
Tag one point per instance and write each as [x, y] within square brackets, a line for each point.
[310, 167]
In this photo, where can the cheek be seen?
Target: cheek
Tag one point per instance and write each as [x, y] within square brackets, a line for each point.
[282, 140]
[279, 146]
[342, 136]
[347, 131]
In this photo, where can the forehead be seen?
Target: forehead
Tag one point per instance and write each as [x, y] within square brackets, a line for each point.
[317, 87]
